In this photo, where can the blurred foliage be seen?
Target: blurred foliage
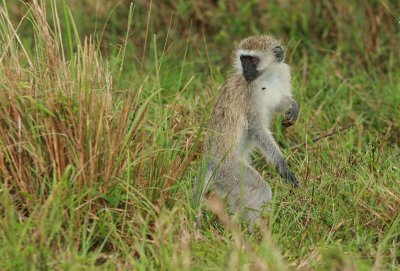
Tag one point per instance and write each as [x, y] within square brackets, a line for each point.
[354, 32]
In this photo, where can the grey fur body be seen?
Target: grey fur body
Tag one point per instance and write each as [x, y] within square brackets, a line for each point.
[240, 122]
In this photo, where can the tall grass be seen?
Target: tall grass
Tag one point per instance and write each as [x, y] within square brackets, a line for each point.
[101, 122]
[68, 141]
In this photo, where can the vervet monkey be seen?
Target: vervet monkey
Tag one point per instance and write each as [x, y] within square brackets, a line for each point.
[258, 88]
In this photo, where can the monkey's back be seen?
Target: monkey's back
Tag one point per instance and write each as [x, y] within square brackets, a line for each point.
[228, 121]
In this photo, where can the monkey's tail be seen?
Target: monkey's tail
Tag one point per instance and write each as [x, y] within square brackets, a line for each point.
[200, 188]
[201, 184]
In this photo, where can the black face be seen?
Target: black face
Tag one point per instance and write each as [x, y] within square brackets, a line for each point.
[278, 52]
[249, 65]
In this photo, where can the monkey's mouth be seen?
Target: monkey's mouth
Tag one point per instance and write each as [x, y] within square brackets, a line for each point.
[250, 72]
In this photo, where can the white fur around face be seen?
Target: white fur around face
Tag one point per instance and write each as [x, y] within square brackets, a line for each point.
[271, 89]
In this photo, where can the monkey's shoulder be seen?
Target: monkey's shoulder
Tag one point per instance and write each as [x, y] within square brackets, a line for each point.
[228, 115]
[232, 100]
[233, 92]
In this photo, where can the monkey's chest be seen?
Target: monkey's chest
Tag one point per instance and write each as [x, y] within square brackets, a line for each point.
[269, 94]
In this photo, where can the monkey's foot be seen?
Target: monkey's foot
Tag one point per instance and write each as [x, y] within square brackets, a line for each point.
[250, 230]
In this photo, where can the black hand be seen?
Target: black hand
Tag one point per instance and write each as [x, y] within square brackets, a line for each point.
[291, 178]
[291, 114]
[287, 175]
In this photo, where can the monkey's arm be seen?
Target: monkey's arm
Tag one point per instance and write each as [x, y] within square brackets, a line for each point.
[291, 109]
[267, 145]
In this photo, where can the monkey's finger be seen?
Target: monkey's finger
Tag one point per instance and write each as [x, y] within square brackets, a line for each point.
[292, 179]
[289, 177]
[290, 119]
[288, 122]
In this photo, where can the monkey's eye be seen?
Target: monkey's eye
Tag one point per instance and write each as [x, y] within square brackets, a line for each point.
[242, 57]
[254, 60]
[278, 52]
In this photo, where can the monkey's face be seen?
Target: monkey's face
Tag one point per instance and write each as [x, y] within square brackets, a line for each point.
[256, 54]
[249, 66]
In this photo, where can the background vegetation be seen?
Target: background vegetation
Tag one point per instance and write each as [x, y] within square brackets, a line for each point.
[102, 109]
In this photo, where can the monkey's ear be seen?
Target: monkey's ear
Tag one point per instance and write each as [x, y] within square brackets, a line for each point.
[278, 52]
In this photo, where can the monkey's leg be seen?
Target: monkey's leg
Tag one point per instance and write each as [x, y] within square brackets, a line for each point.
[247, 193]
[270, 149]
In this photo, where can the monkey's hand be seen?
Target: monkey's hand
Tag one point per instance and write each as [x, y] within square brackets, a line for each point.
[287, 175]
[291, 114]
